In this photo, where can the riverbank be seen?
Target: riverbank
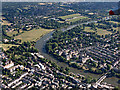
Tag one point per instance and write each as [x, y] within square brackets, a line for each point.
[40, 45]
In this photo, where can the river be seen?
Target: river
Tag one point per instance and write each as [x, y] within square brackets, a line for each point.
[40, 45]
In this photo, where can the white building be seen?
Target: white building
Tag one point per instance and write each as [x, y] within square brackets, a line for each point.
[9, 64]
[42, 66]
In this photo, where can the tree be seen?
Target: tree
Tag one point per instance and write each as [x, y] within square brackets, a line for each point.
[27, 54]
[55, 45]
[67, 69]
[27, 44]
[108, 66]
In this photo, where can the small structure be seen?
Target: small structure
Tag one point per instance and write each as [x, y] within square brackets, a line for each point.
[8, 64]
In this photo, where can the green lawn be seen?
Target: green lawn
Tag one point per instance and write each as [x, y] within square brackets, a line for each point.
[11, 33]
[99, 31]
[103, 32]
[5, 22]
[88, 29]
[72, 17]
[117, 29]
[33, 35]
[77, 19]
[7, 46]
[114, 22]
[69, 16]
[61, 21]
[26, 8]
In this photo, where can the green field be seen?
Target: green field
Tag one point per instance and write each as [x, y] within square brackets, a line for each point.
[77, 19]
[117, 29]
[33, 35]
[7, 46]
[69, 16]
[99, 31]
[5, 22]
[26, 8]
[88, 29]
[103, 32]
[72, 18]
[61, 21]
[114, 22]
[12, 33]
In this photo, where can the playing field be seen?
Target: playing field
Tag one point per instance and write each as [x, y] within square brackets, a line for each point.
[33, 35]
[77, 19]
[69, 16]
[103, 32]
[61, 21]
[73, 17]
[99, 31]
